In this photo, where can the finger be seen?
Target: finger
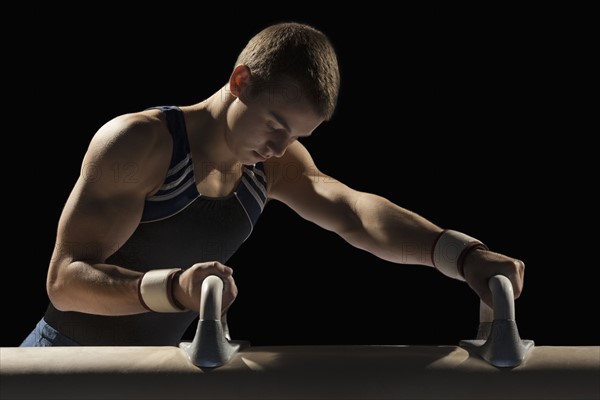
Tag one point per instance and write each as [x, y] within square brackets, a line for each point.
[486, 297]
[223, 269]
[215, 268]
[229, 281]
[517, 279]
[522, 275]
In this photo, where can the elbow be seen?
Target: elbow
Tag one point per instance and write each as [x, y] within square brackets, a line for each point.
[57, 288]
[56, 294]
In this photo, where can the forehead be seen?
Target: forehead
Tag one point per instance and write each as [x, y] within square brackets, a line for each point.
[286, 99]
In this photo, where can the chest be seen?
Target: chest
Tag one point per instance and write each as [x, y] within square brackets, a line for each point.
[216, 182]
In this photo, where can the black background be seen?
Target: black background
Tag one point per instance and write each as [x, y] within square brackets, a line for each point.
[461, 115]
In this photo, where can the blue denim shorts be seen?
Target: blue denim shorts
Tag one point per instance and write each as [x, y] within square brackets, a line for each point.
[43, 335]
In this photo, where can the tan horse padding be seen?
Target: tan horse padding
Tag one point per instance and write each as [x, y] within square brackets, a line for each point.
[297, 372]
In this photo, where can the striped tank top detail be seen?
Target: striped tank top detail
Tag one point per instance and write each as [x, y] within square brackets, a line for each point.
[179, 188]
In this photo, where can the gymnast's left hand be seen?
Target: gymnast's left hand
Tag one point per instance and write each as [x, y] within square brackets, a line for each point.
[480, 265]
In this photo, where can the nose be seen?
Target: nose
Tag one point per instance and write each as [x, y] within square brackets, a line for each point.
[277, 148]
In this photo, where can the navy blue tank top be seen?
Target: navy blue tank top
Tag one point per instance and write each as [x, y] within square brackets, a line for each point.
[179, 227]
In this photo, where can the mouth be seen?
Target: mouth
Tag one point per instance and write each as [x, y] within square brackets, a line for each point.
[260, 156]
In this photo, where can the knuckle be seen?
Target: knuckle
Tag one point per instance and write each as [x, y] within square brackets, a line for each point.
[518, 266]
[517, 292]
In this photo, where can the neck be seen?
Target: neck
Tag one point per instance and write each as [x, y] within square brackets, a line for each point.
[207, 127]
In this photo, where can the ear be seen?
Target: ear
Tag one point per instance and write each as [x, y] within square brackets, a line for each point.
[239, 80]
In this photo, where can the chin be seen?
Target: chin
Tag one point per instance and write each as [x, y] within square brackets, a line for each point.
[256, 157]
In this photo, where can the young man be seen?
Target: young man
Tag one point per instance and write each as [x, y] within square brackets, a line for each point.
[133, 250]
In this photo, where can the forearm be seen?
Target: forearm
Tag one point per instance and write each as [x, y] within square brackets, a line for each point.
[391, 232]
[101, 289]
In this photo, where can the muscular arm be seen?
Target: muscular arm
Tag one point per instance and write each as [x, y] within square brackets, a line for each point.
[365, 220]
[101, 213]
[375, 224]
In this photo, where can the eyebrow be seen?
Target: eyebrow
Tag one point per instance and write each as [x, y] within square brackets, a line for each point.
[280, 120]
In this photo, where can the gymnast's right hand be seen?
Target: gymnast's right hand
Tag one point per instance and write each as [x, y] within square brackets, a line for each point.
[187, 288]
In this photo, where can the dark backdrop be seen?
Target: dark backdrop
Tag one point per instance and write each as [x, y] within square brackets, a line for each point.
[450, 113]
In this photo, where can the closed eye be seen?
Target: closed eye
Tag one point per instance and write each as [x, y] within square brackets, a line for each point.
[272, 128]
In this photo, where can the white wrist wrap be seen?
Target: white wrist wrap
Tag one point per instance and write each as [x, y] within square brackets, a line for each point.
[155, 291]
[450, 250]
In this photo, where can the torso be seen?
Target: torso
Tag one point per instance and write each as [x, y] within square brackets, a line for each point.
[190, 218]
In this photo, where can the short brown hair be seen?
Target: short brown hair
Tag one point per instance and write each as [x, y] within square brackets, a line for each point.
[297, 51]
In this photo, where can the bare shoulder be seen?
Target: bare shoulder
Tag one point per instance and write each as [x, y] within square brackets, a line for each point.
[136, 134]
[294, 167]
[133, 144]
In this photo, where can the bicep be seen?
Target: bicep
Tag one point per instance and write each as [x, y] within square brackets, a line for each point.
[314, 195]
[93, 225]
[104, 208]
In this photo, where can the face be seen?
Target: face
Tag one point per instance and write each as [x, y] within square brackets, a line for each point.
[263, 126]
